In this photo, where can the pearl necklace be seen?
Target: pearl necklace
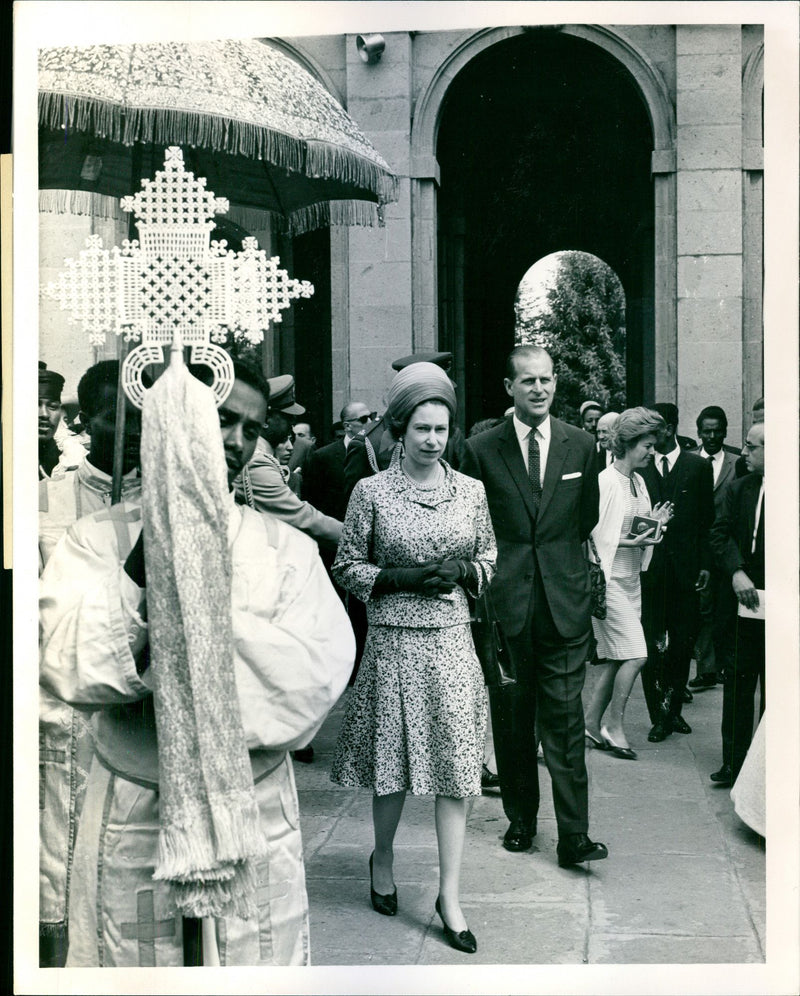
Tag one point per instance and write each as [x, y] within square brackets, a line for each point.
[424, 487]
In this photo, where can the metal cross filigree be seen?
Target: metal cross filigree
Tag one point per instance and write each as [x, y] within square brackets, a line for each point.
[174, 285]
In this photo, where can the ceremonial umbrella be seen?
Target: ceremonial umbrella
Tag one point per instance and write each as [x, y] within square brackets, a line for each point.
[264, 132]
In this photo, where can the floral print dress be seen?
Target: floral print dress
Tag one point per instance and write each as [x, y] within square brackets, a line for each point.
[416, 715]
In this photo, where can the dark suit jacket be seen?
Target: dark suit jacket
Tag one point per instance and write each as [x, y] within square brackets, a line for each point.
[567, 514]
[323, 484]
[684, 549]
[727, 473]
[732, 533]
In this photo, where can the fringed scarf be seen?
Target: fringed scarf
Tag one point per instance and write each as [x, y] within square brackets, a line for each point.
[210, 828]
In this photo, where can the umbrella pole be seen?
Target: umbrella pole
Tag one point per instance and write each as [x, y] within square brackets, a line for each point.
[119, 430]
[119, 423]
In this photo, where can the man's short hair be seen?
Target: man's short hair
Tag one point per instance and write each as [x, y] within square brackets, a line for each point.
[667, 411]
[242, 370]
[715, 412]
[102, 374]
[251, 375]
[526, 349]
[350, 404]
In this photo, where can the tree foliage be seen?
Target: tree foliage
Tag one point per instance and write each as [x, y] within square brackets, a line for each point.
[583, 329]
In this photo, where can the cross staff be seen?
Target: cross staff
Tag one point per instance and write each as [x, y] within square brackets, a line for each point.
[173, 286]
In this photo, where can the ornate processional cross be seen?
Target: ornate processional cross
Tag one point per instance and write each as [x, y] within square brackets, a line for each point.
[174, 286]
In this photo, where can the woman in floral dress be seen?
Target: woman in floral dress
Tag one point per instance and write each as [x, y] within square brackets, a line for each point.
[621, 647]
[416, 539]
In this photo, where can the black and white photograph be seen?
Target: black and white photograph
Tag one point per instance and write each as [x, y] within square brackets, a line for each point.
[397, 560]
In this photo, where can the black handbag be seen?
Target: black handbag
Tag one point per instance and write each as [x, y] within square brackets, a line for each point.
[597, 582]
[491, 645]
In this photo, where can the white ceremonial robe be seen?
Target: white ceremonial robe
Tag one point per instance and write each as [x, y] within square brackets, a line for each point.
[65, 742]
[293, 654]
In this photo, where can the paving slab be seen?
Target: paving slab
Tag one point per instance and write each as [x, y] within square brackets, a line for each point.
[684, 882]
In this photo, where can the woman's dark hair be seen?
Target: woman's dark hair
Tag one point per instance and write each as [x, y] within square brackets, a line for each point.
[398, 427]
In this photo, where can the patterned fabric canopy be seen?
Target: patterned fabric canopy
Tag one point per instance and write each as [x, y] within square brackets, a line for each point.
[239, 108]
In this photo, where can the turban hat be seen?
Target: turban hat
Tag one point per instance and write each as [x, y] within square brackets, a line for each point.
[416, 384]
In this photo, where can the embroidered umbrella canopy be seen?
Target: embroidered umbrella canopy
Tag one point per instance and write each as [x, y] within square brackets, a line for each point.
[263, 131]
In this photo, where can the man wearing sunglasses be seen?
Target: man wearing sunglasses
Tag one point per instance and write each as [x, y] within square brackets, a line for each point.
[357, 417]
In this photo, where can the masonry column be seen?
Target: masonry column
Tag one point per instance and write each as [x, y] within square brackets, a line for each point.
[709, 148]
[379, 287]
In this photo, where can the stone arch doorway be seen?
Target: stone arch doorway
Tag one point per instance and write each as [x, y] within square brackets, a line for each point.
[547, 140]
[573, 304]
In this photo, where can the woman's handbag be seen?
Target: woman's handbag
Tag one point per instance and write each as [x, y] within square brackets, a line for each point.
[491, 645]
[597, 580]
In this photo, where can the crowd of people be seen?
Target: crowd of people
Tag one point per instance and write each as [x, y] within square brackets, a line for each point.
[360, 562]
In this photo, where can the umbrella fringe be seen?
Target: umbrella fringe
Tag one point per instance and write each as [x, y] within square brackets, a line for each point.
[329, 160]
[168, 126]
[334, 213]
[82, 202]
[307, 219]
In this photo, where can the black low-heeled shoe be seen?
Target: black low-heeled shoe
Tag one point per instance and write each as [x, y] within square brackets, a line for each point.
[387, 905]
[463, 941]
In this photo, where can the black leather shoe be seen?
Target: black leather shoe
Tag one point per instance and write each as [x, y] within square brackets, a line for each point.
[489, 780]
[304, 754]
[687, 696]
[679, 725]
[576, 848]
[723, 777]
[387, 905]
[462, 941]
[703, 681]
[519, 837]
[660, 731]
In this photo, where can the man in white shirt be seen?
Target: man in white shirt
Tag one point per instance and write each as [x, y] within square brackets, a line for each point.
[540, 476]
[292, 654]
[716, 621]
[679, 571]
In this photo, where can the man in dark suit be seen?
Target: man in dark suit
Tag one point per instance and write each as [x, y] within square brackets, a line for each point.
[737, 540]
[715, 617]
[541, 484]
[324, 478]
[678, 572]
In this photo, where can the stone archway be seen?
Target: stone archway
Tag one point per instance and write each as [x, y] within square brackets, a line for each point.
[425, 178]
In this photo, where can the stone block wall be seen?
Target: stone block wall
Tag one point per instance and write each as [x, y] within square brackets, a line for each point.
[708, 105]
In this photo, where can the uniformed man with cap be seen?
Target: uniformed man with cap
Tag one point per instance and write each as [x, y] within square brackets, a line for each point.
[371, 450]
[262, 485]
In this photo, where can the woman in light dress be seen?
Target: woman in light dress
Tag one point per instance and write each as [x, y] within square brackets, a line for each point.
[417, 537]
[621, 647]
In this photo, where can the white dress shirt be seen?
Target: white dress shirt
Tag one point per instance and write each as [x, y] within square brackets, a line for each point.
[542, 435]
[672, 456]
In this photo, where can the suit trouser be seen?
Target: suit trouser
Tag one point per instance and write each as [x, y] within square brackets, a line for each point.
[551, 673]
[739, 691]
[673, 609]
[717, 610]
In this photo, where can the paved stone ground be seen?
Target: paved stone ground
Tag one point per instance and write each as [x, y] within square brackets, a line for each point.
[684, 882]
